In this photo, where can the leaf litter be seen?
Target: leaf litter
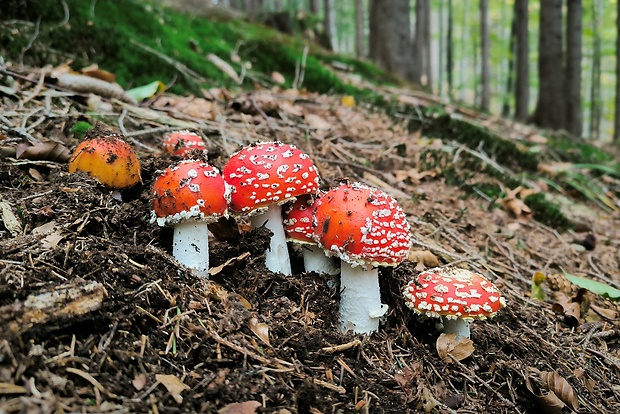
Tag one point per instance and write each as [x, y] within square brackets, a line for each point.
[140, 333]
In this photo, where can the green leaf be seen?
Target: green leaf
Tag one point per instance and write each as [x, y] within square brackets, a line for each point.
[593, 286]
[80, 128]
[538, 292]
[146, 91]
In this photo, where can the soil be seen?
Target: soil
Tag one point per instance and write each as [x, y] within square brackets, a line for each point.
[97, 316]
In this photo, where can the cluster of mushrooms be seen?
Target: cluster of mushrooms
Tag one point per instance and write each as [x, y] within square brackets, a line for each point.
[277, 186]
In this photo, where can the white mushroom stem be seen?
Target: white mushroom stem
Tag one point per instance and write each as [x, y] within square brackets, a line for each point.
[360, 299]
[190, 246]
[315, 260]
[276, 257]
[459, 326]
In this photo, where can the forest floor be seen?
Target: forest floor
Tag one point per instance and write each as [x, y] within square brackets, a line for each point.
[97, 316]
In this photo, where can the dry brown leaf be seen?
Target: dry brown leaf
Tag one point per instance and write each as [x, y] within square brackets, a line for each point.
[174, 386]
[550, 390]
[261, 330]
[8, 388]
[224, 67]
[554, 168]
[51, 240]
[43, 151]
[413, 175]
[316, 122]
[292, 110]
[448, 346]
[95, 72]
[139, 382]
[246, 407]
[424, 257]
[277, 77]
[11, 223]
[558, 385]
[215, 270]
[515, 205]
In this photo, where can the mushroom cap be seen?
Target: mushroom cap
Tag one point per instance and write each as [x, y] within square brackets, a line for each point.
[361, 225]
[180, 143]
[108, 159]
[297, 220]
[452, 292]
[189, 190]
[269, 172]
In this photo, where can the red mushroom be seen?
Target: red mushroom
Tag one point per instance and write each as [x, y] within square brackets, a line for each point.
[108, 159]
[263, 176]
[297, 220]
[180, 143]
[365, 228]
[455, 295]
[190, 195]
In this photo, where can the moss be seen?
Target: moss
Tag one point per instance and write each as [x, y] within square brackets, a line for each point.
[547, 212]
[569, 149]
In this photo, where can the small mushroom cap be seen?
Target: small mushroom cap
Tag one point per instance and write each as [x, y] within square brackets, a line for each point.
[269, 172]
[108, 159]
[180, 143]
[361, 225]
[452, 292]
[297, 220]
[189, 190]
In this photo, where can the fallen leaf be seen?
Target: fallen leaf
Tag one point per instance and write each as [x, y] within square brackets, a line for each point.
[246, 407]
[43, 151]
[277, 77]
[215, 270]
[8, 388]
[261, 330]
[317, 122]
[94, 71]
[560, 387]
[593, 286]
[11, 223]
[224, 67]
[424, 257]
[51, 240]
[551, 391]
[139, 382]
[348, 101]
[448, 346]
[149, 90]
[174, 386]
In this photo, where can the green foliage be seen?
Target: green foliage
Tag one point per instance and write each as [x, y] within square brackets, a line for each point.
[547, 212]
[569, 149]
[593, 286]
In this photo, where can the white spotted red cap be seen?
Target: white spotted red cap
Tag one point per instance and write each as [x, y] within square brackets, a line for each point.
[267, 173]
[453, 293]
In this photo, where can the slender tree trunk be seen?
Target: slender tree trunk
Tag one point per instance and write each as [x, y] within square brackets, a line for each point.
[277, 5]
[329, 23]
[391, 48]
[511, 66]
[572, 88]
[617, 99]
[450, 52]
[522, 86]
[550, 107]
[485, 62]
[440, 51]
[464, 59]
[359, 28]
[373, 27]
[428, 68]
[313, 6]
[595, 91]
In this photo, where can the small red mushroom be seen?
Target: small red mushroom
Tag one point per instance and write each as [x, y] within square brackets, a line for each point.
[108, 159]
[297, 220]
[455, 295]
[181, 143]
[263, 176]
[190, 195]
[365, 228]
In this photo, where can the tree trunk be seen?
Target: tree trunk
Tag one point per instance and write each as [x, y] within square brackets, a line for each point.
[329, 24]
[511, 67]
[450, 52]
[550, 106]
[313, 6]
[391, 46]
[617, 101]
[485, 63]
[572, 88]
[427, 73]
[595, 91]
[440, 51]
[359, 28]
[522, 85]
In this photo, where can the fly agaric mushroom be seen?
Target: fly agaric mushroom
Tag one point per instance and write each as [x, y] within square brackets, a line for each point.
[190, 195]
[455, 295]
[180, 143]
[108, 159]
[365, 228]
[263, 176]
[297, 220]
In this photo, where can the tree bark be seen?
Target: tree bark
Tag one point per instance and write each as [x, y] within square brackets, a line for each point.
[313, 6]
[595, 91]
[511, 66]
[617, 99]
[390, 34]
[359, 28]
[550, 106]
[440, 51]
[421, 68]
[329, 23]
[485, 96]
[522, 84]
[574, 121]
[450, 52]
